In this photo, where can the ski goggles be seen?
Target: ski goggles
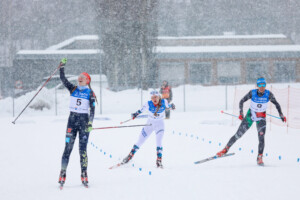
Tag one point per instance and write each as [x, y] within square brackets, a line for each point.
[261, 85]
[154, 93]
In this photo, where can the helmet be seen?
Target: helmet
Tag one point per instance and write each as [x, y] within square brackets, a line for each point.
[261, 82]
[87, 76]
[154, 93]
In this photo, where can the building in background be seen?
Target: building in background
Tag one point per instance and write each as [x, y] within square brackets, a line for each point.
[228, 59]
[205, 60]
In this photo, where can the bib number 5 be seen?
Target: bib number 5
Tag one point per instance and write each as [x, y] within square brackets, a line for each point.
[78, 103]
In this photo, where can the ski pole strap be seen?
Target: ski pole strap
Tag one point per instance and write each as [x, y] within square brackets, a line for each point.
[110, 127]
[274, 116]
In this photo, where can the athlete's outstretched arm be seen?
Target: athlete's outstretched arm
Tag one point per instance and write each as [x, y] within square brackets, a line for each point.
[244, 99]
[65, 81]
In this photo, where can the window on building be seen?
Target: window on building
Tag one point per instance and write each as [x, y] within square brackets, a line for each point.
[172, 72]
[200, 73]
[284, 72]
[255, 70]
[229, 72]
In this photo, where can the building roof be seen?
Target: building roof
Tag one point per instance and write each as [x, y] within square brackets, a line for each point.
[257, 46]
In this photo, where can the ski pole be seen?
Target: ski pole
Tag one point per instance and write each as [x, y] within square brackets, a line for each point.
[229, 114]
[122, 126]
[126, 121]
[37, 93]
[237, 116]
[274, 116]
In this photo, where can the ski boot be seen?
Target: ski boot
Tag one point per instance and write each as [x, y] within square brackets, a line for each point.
[84, 178]
[62, 178]
[127, 159]
[131, 154]
[259, 160]
[159, 163]
[223, 152]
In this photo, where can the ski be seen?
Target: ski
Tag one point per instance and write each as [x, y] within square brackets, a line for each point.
[213, 158]
[85, 185]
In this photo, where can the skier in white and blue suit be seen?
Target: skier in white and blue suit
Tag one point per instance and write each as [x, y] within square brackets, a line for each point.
[156, 114]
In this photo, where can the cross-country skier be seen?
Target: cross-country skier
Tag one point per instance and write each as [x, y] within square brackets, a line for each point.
[257, 113]
[82, 109]
[156, 107]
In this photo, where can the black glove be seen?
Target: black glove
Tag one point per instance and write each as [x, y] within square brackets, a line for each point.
[283, 118]
[173, 106]
[134, 115]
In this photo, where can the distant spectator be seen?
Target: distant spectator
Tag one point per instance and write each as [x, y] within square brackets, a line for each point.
[167, 94]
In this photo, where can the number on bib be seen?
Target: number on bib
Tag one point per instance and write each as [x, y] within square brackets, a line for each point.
[78, 102]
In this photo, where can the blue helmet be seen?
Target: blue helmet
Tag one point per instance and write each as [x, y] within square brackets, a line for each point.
[261, 82]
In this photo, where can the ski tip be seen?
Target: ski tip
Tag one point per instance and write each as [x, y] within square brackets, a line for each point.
[13, 122]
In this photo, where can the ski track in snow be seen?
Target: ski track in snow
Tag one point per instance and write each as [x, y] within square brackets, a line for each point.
[31, 153]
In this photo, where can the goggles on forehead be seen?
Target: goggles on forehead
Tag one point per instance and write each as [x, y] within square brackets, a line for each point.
[154, 93]
[261, 85]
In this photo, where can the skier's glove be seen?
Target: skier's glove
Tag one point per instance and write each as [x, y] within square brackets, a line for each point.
[241, 117]
[172, 106]
[63, 62]
[134, 115]
[283, 118]
[89, 127]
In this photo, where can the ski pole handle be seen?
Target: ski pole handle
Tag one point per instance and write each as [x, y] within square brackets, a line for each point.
[229, 114]
[274, 116]
[110, 127]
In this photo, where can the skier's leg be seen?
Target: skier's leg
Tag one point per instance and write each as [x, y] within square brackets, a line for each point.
[70, 139]
[244, 126]
[159, 130]
[261, 129]
[83, 141]
[145, 133]
[240, 132]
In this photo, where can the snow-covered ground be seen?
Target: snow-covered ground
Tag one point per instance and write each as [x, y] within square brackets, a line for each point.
[31, 153]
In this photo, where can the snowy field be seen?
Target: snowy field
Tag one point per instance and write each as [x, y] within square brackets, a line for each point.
[31, 153]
